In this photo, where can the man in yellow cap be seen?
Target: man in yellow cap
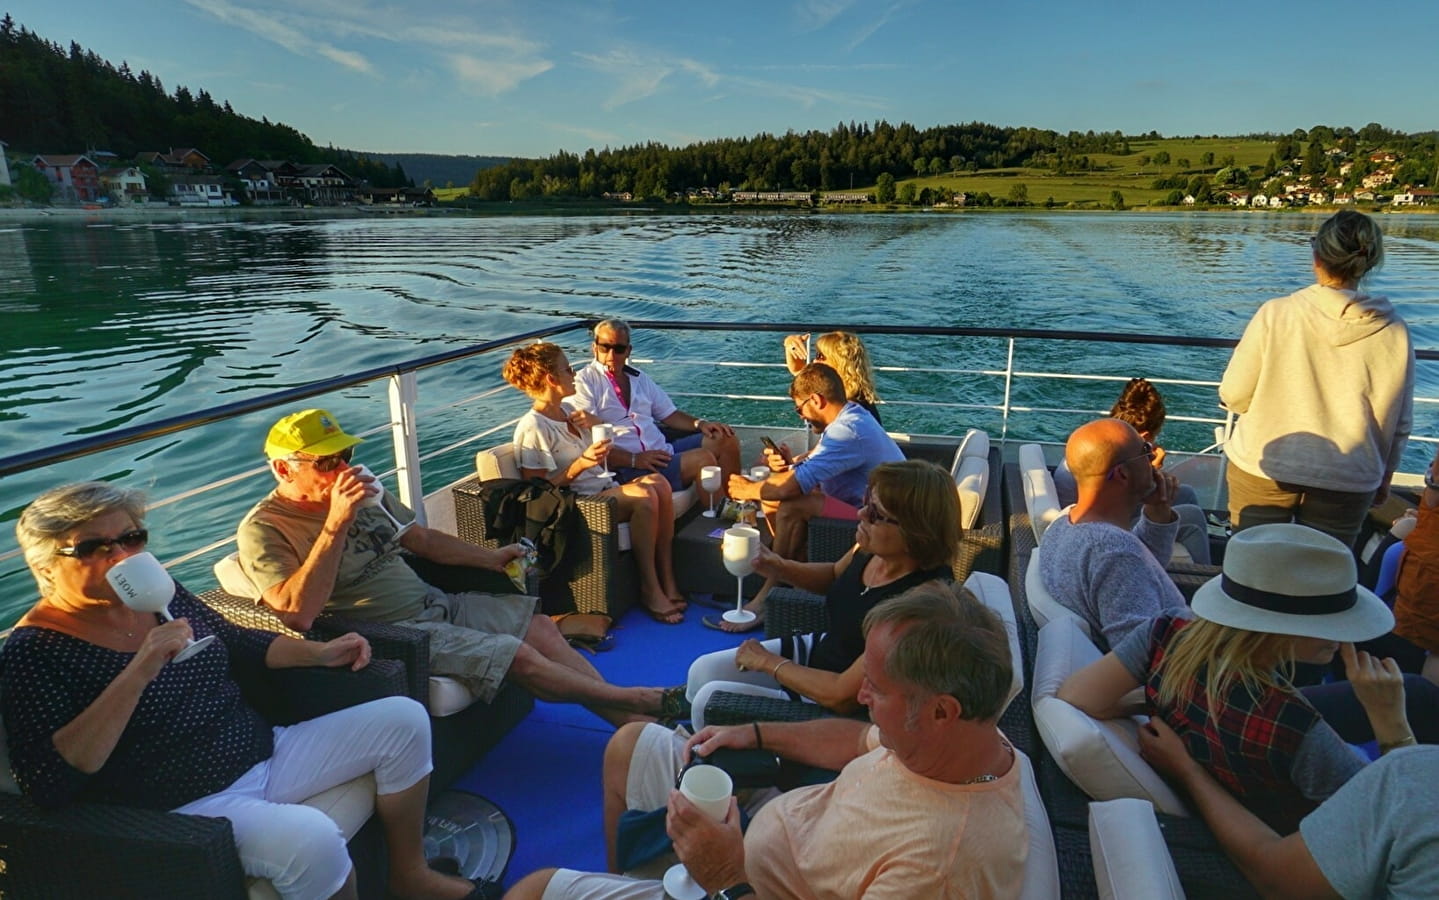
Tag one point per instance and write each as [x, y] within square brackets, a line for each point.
[318, 543]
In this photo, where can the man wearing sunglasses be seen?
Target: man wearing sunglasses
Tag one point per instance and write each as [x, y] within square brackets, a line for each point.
[318, 543]
[1091, 560]
[629, 399]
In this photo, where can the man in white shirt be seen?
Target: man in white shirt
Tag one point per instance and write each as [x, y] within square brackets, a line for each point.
[629, 399]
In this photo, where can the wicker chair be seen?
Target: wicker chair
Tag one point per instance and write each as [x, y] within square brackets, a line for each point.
[86, 850]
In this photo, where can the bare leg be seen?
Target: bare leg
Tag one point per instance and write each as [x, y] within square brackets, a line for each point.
[532, 886]
[725, 450]
[1431, 668]
[403, 815]
[544, 636]
[640, 507]
[548, 680]
[691, 461]
[665, 540]
[615, 777]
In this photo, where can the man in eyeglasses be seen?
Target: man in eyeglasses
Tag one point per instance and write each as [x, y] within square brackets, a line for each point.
[318, 543]
[625, 397]
[1090, 560]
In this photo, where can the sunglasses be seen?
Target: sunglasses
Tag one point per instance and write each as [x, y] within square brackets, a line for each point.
[133, 539]
[1146, 452]
[869, 511]
[614, 348]
[799, 410]
[328, 463]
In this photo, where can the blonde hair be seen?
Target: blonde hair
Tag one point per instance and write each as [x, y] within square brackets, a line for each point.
[528, 367]
[844, 352]
[921, 497]
[1349, 244]
[1223, 655]
[61, 510]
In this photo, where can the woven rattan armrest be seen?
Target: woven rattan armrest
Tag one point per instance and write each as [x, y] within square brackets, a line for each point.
[725, 708]
[790, 611]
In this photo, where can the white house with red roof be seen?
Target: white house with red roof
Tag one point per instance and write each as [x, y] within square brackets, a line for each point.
[76, 177]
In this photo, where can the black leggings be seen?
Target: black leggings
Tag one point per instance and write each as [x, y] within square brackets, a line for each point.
[1343, 711]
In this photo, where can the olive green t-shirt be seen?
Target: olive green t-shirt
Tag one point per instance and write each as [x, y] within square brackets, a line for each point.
[373, 582]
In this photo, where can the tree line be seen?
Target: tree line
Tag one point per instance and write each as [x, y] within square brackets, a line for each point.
[58, 100]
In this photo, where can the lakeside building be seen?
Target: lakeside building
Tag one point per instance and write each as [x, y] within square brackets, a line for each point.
[125, 185]
[75, 176]
[4, 166]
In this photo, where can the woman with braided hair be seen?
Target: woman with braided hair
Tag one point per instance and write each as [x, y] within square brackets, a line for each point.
[1323, 381]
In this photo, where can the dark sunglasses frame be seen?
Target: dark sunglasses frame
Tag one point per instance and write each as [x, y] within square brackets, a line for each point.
[867, 511]
[133, 539]
[328, 463]
[614, 348]
[1146, 453]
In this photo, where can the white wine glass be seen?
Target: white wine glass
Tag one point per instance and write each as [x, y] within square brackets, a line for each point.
[373, 500]
[710, 482]
[603, 432]
[739, 547]
[143, 585]
[709, 788]
[759, 474]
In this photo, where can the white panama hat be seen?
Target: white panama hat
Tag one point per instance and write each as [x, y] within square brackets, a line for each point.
[1291, 579]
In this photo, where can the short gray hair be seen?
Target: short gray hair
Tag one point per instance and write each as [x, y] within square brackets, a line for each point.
[611, 325]
[61, 510]
[948, 643]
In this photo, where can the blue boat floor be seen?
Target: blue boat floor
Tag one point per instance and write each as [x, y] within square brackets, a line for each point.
[545, 774]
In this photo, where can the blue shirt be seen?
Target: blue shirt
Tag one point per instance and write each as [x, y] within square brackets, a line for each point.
[851, 445]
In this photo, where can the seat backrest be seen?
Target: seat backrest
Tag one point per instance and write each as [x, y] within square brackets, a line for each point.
[994, 593]
[1131, 860]
[1100, 756]
[1041, 500]
[1041, 867]
[1042, 604]
[970, 471]
[233, 578]
[497, 462]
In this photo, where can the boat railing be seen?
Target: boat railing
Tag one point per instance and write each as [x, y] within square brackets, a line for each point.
[1003, 400]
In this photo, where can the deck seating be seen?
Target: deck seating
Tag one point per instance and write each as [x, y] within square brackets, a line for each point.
[1041, 500]
[105, 850]
[1130, 859]
[1042, 604]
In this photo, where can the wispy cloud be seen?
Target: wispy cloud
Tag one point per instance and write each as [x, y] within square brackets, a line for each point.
[812, 15]
[868, 31]
[262, 24]
[494, 77]
[635, 77]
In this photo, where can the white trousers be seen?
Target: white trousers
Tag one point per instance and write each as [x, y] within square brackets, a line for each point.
[298, 848]
[717, 671]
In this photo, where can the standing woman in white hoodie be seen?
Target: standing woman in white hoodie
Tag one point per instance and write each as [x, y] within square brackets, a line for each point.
[1323, 381]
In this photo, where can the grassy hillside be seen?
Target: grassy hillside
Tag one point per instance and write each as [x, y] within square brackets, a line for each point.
[1130, 174]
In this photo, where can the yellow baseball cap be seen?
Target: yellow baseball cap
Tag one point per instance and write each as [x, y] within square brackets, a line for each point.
[312, 431]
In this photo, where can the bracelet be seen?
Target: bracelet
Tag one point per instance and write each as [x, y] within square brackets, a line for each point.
[697, 424]
[774, 673]
[1403, 742]
[758, 740]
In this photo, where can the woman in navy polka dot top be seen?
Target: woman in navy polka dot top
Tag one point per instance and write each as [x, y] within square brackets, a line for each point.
[95, 709]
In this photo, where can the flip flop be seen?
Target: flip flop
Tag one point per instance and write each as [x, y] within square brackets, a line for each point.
[718, 624]
[674, 705]
[673, 617]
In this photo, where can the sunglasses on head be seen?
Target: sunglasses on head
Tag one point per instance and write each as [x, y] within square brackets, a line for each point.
[133, 539]
[613, 348]
[328, 463]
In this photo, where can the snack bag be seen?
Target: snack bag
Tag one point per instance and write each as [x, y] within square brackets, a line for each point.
[520, 567]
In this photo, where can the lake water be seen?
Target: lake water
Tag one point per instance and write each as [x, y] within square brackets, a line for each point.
[108, 325]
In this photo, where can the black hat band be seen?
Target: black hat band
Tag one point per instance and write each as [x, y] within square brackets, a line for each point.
[1315, 605]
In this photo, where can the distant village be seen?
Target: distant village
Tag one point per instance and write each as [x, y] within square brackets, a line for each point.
[1292, 189]
[187, 177]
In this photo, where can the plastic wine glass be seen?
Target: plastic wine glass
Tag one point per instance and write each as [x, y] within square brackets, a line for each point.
[759, 474]
[738, 547]
[710, 482]
[603, 432]
[375, 498]
[143, 585]
[709, 788]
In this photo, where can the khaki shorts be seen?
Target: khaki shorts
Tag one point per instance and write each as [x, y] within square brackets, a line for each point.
[474, 637]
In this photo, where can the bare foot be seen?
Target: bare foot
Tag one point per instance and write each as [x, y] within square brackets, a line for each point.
[424, 883]
[663, 610]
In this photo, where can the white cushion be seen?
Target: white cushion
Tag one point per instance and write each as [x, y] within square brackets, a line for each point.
[1130, 857]
[1041, 500]
[1041, 866]
[349, 804]
[233, 579]
[499, 462]
[1100, 756]
[1042, 604]
[974, 446]
[971, 480]
[993, 592]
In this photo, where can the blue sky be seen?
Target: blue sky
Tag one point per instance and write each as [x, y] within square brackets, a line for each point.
[529, 77]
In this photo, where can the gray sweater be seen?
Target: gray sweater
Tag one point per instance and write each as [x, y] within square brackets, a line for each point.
[1110, 577]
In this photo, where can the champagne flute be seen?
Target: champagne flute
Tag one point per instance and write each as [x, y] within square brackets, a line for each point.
[709, 788]
[759, 474]
[739, 547]
[143, 585]
[710, 482]
[603, 432]
[375, 498]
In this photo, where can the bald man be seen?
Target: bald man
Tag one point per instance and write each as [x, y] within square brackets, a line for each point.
[1092, 561]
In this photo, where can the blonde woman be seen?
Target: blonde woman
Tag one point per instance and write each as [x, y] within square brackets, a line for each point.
[1288, 594]
[554, 444]
[844, 352]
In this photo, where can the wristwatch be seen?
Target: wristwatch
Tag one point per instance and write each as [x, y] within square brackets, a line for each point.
[734, 892]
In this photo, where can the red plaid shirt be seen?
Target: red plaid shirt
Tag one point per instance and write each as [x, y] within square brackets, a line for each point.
[1248, 746]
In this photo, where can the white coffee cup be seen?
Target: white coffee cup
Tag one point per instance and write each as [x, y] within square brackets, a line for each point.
[709, 788]
[142, 582]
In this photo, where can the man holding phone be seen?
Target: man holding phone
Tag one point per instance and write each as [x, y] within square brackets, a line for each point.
[627, 398]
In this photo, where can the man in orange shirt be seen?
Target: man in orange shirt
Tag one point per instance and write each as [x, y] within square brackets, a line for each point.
[929, 802]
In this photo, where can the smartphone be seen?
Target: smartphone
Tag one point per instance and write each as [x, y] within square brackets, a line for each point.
[771, 446]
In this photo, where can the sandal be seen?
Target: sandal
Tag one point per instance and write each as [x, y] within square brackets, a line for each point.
[719, 624]
[670, 617]
[674, 705]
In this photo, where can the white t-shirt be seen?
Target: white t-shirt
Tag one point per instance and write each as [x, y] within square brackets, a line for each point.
[543, 443]
[636, 427]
